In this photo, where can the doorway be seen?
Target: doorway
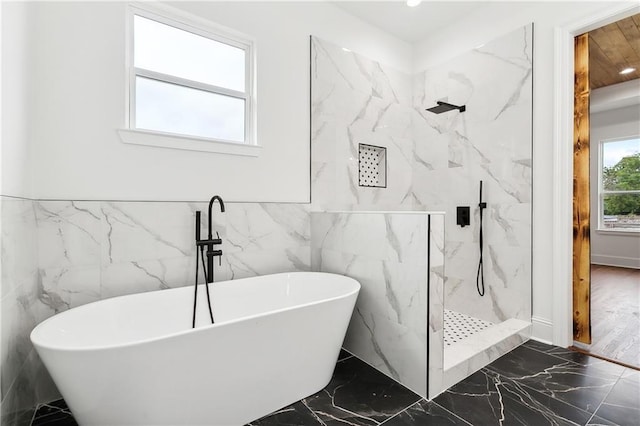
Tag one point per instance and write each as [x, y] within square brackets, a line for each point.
[606, 191]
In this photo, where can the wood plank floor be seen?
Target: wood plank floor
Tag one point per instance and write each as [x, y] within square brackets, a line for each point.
[615, 313]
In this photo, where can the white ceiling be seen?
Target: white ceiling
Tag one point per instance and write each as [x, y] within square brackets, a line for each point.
[410, 24]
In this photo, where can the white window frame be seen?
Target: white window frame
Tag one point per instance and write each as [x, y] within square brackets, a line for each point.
[184, 21]
[602, 192]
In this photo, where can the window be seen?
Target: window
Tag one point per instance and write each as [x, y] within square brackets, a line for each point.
[619, 185]
[188, 80]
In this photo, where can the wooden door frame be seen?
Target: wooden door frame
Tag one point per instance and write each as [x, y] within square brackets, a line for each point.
[581, 193]
[562, 226]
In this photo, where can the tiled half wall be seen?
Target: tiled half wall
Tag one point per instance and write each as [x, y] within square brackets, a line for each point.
[398, 258]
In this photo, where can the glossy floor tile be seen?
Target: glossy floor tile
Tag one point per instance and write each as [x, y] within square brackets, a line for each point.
[356, 395]
[53, 414]
[535, 384]
[583, 386]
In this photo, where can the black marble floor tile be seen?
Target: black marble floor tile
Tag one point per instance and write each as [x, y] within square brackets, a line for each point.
[583, 386]
[359, 395]
[622, 405]
[296, 414]
[54, 413]
[488, 398]
[425, 413]
[344, 355]
[51, 408]
[55, 420]
[597, 421]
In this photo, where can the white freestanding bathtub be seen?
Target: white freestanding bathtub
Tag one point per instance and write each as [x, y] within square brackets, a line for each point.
[135, 360]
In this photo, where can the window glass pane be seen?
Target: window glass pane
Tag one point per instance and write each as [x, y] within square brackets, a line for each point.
[171, 108]
[621, 211]
[162, 48]
[621, 165]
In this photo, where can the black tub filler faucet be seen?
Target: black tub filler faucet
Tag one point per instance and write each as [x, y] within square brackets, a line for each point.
[209, 243]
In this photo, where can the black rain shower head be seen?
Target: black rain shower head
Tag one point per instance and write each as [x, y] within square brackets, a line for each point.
[444, 107]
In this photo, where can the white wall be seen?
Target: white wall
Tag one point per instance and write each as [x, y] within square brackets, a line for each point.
[608, 248]
[79, 76]
[483, 25]
[615, 96]
[15, 26]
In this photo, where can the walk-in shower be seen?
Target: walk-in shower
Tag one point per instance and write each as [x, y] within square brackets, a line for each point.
[479, 292]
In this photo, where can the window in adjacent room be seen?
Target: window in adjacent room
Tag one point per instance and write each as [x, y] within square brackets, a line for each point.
[619, 186]
[189, 80]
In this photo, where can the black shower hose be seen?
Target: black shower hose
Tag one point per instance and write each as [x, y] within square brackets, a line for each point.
[480, 274]
[195, 296]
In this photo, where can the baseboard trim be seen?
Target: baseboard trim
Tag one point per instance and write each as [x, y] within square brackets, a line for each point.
[621, 262]
[542, 330]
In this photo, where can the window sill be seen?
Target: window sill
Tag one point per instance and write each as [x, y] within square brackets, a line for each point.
[165, 140]
[627, 232]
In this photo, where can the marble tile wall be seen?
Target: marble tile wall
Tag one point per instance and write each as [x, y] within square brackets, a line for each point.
[435, 162]
[356, 100]
[24, 381]
[387, 254]
[491, 141]
[131, 247]
[57, 255]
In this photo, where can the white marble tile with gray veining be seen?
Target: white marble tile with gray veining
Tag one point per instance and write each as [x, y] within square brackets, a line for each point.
[18, 246]
[386, 253]
[147, 231]
[265, 226]
[68, 233]
[343, 68]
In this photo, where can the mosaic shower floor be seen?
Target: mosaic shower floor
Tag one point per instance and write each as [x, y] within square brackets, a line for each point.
[534, 384]
[458, 327]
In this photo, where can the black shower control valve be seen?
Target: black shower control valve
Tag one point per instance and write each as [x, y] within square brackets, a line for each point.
[215, 253]
[463, 216]
[213, 241]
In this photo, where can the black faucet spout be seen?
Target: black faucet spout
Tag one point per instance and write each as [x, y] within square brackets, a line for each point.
[211, 241]
[213, 199]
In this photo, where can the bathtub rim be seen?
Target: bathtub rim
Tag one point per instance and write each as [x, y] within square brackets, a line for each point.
[37, 345]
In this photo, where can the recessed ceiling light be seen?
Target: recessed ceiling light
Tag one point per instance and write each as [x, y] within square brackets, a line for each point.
[627, 70]
[413, 3]
[346, 50]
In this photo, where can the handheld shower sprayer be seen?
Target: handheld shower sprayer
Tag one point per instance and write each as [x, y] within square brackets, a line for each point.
[480, 275]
